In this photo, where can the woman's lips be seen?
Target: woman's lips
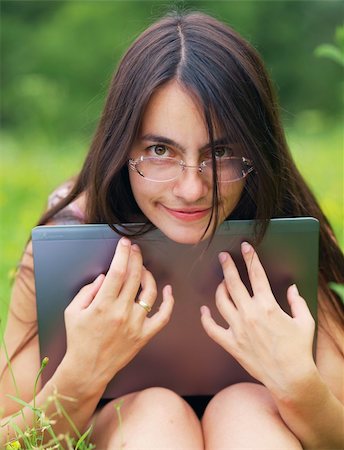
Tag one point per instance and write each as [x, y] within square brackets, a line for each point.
[188, 215]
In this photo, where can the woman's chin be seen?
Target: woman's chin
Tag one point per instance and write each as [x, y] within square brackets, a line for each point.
[190, 237]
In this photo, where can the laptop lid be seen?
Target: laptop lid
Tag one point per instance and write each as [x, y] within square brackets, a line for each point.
[181, 357]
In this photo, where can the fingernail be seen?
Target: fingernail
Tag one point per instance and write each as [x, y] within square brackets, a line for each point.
[125, 241]
[222, 257]
[168, 289]
[135, 247]
[204, 310]
[295, 289]
[245, 247]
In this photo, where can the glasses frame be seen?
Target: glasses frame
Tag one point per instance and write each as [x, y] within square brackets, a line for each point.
[133, 163]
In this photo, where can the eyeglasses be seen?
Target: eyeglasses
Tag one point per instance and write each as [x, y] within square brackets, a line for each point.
[228, 169]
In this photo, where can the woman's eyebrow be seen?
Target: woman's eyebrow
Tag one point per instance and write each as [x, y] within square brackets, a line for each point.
[168, 141]
[217, 142]
[162, 140]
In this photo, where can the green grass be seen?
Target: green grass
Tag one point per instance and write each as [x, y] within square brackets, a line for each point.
[40, 434]
[319, 154]
[29, 172]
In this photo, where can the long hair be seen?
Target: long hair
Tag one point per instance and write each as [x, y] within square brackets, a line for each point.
[227, 78]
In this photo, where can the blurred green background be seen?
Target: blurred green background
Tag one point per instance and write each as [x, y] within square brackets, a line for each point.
[57, 59]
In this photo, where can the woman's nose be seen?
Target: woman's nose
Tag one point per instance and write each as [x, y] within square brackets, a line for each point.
[191, 185]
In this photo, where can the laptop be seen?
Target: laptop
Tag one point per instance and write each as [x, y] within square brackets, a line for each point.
[181, 357]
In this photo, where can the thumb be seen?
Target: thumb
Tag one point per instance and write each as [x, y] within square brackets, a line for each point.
[298, 305]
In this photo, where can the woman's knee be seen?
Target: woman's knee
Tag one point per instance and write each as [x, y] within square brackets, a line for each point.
[155, 414]
[237, 401]
[158, 404]
[239, 397]
[245, 416]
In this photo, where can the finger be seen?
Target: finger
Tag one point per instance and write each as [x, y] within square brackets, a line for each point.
[224, 304]
[148, 294]
[86, 295]
[258, 279]
[133, 278]
[213, 330]
[160, 319]
[298, 306]
[236, 288]
[117, 272]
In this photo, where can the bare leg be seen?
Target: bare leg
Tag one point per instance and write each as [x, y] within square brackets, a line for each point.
[244, 416]
[155, 418]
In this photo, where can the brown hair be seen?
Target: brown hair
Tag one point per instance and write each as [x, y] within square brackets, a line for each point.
[228, 79]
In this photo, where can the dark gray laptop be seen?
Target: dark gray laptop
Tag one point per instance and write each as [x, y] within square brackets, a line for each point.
[181, 357]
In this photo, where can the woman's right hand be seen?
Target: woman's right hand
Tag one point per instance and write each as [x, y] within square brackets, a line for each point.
[105, 327]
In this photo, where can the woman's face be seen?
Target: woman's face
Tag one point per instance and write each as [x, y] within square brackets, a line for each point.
[173, 126]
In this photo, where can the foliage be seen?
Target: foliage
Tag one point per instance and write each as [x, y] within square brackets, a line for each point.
[333, 52]
[57, 57]
[338, 289]
[118, 407]
[40, 435]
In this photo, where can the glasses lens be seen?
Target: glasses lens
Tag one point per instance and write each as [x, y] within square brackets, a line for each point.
[159, 169]
[232, 169]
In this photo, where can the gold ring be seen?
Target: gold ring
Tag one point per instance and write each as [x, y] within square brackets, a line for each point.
[144, 305]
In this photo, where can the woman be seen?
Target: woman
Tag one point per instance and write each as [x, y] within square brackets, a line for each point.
[190, 89]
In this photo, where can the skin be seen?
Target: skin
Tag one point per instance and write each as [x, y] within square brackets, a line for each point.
[268, 356]
[173, 115]
[298, 405]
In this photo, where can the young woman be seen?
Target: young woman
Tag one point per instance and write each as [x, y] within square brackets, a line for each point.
[189, 89]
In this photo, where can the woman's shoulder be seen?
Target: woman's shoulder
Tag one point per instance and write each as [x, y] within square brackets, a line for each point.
[71, 214]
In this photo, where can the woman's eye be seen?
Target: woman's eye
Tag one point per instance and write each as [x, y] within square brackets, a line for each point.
[159, 150]
[221, 152]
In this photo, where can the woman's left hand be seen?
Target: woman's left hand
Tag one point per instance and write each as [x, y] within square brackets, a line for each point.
[272, 346]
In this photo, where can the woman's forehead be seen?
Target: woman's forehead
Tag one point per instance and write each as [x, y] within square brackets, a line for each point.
[174, 112]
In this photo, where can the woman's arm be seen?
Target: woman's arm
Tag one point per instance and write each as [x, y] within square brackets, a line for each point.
[276, 349]
[21, 334]
[105, 329]
[20, 342]
[312, 412]
[320, 404]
